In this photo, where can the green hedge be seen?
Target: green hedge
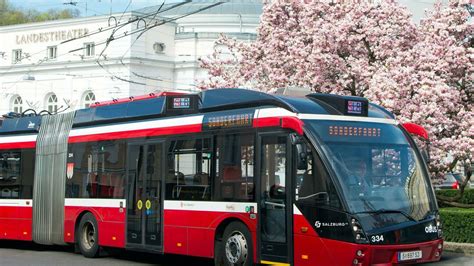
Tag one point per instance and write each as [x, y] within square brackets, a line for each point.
[458, 224]
[467, 197]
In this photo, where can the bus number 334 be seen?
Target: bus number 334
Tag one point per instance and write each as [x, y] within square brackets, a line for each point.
[377, 238]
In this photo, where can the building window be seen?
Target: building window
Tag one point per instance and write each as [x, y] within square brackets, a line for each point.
[52, 103]
[17, 105]
[52, 52]
[16, 56]
[89, 49]
[89, 99]
[159, 47]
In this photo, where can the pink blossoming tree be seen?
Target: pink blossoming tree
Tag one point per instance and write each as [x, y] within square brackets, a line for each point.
[422, 73]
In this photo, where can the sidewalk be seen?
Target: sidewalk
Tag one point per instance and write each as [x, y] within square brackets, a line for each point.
[466, 248]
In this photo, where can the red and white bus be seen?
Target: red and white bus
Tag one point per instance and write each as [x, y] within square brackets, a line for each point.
[236, 175]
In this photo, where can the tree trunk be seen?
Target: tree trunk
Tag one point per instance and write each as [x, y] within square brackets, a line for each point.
[452, 201]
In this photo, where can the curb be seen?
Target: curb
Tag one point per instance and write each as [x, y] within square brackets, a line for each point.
[466, 248]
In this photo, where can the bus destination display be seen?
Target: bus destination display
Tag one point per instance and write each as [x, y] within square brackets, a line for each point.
[228, 120]
[182, 104]
[354, 107]
[356, 131]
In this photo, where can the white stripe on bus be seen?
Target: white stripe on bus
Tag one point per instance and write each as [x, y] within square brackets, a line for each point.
[107, 203]
[347, 118]
[211, 206]
[169, 122]
[296, 210]
[156, 123]
[274, 112]
[16, 202]
[18, 139]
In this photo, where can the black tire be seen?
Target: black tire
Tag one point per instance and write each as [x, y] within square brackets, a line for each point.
[87, 236]
[237, 243]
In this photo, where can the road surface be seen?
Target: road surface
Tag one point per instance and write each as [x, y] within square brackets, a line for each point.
[25, 253]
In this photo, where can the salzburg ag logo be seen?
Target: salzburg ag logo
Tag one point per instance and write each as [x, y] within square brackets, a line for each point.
[317, 224]
[431, 229]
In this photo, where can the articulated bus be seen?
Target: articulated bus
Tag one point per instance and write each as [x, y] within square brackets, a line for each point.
[236, 175]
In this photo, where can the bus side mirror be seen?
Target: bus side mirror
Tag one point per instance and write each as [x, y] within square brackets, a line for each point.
[302, 155]
[425, 152]
[301, 151]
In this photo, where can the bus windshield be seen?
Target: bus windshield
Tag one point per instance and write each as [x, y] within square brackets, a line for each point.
[376, 166]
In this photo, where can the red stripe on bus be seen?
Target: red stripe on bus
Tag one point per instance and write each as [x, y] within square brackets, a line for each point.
[266, 122]
[138, 133]
[289, 122]
[285, 122]
[292, 123]
[18, 145]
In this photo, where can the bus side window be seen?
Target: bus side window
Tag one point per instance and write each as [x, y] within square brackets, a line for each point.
[189, 165]
[98, 169]
[27, 173]
[10, 163]
[314, 185]
[111, 169]
[235, 168]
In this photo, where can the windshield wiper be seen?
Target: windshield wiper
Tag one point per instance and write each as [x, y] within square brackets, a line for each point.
[389, 211]
[428, 214]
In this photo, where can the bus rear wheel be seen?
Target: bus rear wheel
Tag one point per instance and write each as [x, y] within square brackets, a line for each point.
[87, 236]
[235, 247]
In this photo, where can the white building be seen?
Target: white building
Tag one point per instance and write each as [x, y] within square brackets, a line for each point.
[54, 65]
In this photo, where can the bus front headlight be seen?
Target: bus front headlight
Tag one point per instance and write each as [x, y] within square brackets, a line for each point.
[358, 232]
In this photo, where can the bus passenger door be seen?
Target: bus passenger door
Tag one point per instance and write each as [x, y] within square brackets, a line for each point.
[275, 219]
[145, 172]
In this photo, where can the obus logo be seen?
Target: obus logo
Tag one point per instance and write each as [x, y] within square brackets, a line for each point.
[431, 229]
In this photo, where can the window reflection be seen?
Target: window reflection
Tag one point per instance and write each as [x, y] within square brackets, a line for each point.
[16, 178]
[380, 172]
[235, 167]
[189, 164]
[98, 170]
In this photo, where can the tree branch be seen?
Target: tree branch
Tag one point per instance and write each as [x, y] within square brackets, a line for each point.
[370, 53]
[457, 204]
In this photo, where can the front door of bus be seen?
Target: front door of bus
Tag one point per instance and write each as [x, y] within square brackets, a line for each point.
[275, 209]
[145, 172]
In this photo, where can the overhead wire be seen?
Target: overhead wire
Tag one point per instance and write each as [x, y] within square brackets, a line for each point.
[156, 24]
[111, 38]
[145, 29]
[100, 30]
[41, 61]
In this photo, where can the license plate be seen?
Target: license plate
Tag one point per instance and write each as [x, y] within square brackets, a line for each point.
[409, 255]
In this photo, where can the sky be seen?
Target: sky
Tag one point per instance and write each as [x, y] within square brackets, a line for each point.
[103, 7]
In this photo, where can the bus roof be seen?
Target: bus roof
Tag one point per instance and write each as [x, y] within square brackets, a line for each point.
[163, 105]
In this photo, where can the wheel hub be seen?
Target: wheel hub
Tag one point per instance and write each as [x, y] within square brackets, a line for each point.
[88, 235]
[236, 249]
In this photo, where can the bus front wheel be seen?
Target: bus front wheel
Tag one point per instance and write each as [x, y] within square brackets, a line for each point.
[235, 247]
[87, 236]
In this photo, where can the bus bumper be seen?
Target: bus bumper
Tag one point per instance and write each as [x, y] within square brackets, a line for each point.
[361, 255]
